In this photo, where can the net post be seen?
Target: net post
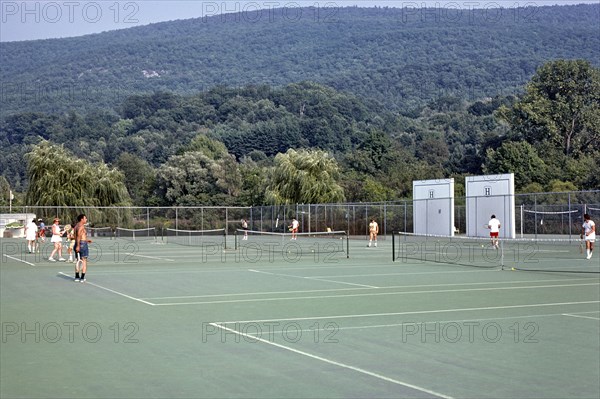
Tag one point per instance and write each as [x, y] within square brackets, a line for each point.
[393, 246]
[501, 245]
[347, 245]
[235, 240]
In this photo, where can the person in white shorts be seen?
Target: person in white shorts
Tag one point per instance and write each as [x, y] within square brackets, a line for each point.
[294, 228]
[373, 231]
[31, 236]
[588, 233]
[245, 228]
[57, 241]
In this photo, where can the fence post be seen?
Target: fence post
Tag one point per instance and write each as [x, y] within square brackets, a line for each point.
[535, 209]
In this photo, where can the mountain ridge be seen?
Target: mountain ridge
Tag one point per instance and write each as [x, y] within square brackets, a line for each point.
[401, 58]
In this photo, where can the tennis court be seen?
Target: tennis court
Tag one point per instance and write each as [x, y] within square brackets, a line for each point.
[161, 319]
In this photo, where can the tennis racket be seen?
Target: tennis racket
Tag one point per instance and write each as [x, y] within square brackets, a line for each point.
[581, 238]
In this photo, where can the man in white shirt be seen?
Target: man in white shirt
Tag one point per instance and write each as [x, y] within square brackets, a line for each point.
[31, 235]
[294, 228]
[494, 226]
[588, 233]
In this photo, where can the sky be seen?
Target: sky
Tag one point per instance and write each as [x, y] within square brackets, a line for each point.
[43, 19]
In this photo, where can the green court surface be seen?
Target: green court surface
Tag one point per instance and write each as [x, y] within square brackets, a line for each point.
[158, 320]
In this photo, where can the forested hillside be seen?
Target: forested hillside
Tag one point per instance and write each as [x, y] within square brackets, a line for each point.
[219, 110]
[224, 146]
[399, 58]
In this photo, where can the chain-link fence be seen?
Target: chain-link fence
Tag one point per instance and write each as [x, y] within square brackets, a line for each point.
[535, 214]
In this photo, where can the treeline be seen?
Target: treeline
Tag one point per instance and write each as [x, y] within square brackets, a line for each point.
[218, 147]
[401, 58]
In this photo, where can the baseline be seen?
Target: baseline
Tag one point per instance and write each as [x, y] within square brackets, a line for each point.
[19, 260]
[111, 290]
[336, 363]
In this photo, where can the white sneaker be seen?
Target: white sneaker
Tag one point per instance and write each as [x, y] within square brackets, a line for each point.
[62, 260]
[76, 280]
[82, 280]
[589, 256]
[52, 259]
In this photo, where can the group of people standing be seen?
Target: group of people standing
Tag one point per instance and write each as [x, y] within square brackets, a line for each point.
[588, 233]
[295, 225]
[35, 231]
[76, 235]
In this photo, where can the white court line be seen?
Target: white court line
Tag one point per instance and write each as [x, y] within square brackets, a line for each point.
[372, 294]
[312, 278]
[393, 325]
[593, 311]
[335, 363]
[113, 291]
[19, 260]
[340, 282]
[356, 289]
[581, 317]
[222, 270]
[151, 257]
[354, 316]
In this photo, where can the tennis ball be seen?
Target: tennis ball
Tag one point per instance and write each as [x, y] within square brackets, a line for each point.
[512, 268]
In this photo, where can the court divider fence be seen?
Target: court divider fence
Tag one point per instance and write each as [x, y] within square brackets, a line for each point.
[537, 214]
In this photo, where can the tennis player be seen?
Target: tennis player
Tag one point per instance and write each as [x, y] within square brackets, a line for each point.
[373, 231]
[81, 248]
[71, 239]
[57, 241]
[494, 226]
[31, 235]
[245, 228]
[42, 230]
[588, 233]
[294, 228]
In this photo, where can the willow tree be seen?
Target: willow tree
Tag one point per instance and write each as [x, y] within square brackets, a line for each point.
[304, 177]
[58, 179]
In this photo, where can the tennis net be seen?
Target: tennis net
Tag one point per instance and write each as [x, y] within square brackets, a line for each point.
[136, 234]
[552, 254]
[299, 244]
[106, 232]
[199, 238]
